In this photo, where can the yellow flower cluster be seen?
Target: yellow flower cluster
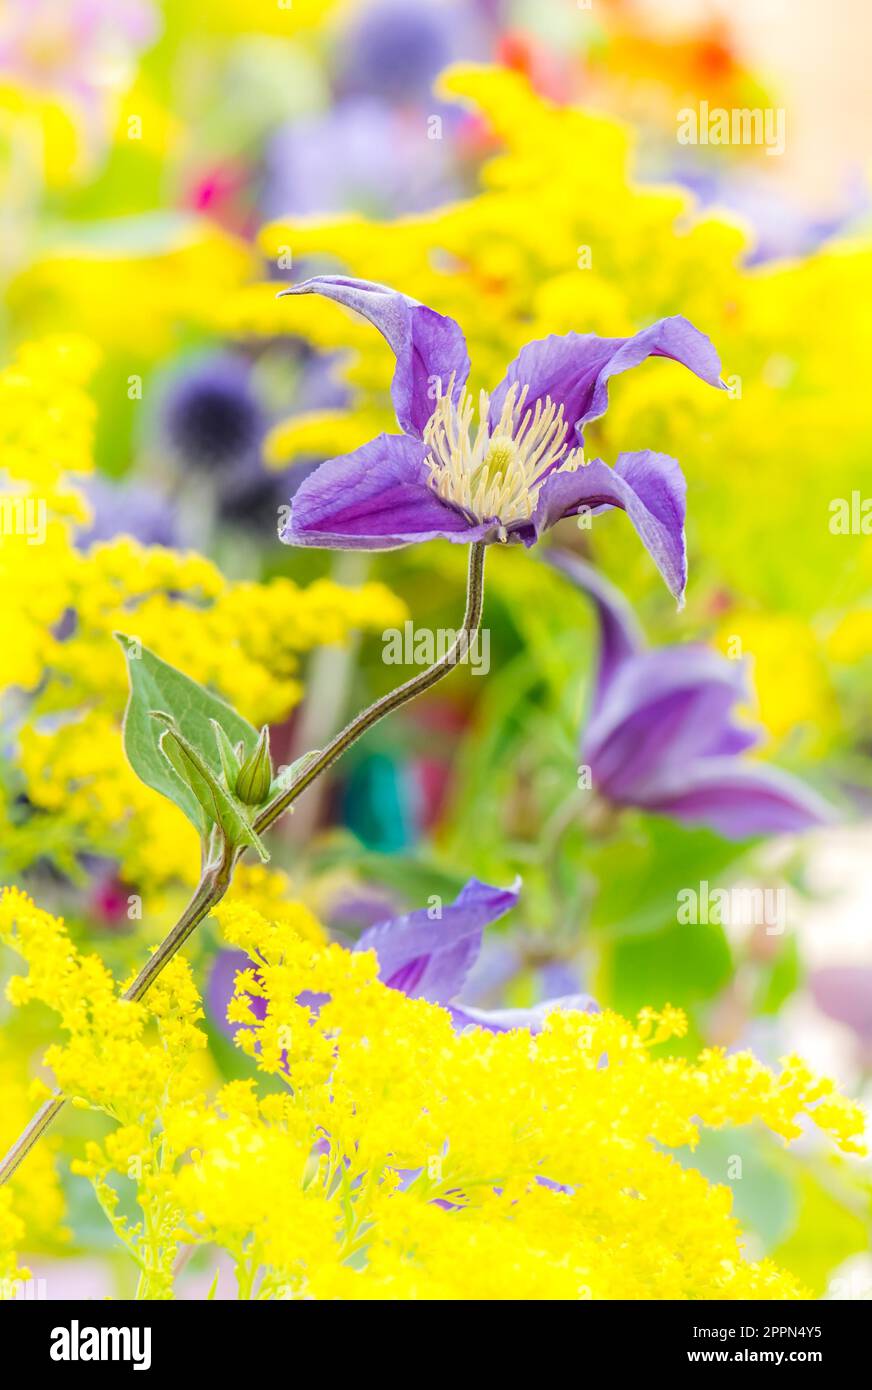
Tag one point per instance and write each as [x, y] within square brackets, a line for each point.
[42, 131]
[507, 276]
[790, 679]
[265, 17]
[596, 251]
[269, 893]
[129, 1060]
[106, 1058]
[59, 608]
[47, 418]
[398, 1158]
[46, 429]
[180, 281]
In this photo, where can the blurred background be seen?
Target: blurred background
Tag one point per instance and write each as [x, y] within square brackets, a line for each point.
[165, 170]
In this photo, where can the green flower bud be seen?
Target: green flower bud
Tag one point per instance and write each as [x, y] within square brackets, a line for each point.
[255, 775]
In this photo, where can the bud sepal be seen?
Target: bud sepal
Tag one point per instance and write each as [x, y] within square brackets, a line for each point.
[254, 779]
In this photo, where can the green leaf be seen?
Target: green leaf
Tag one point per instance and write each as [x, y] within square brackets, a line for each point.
[220, 807]
[641, 871]
[156, 686]
[682, 965]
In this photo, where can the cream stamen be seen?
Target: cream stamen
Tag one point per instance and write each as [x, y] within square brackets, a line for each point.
[496, 474]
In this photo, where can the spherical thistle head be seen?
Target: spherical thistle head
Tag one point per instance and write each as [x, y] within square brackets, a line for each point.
[395, 48]
[211, 416]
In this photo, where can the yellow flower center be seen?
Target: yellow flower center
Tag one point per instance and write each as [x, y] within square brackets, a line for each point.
[496, 474]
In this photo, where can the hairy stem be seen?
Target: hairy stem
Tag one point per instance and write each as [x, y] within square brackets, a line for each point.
[210, 890]
[393, 700]
[216, 880]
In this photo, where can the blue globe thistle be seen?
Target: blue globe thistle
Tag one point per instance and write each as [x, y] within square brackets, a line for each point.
[211, 416]
[394, 50]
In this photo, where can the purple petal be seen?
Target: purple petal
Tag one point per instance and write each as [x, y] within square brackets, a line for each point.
[557, 978]
[662, 734]
[620, 636]
[649, 487]
[740, 799]
[430, 958]
[429, 347]
[222, 986]
[665, 709]
[376, 498]
[574, 369]
[504, 1020]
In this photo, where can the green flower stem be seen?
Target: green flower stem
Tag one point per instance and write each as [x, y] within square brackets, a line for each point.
[28, 1137]
[216, 879]
[210, 890]
[393, 700]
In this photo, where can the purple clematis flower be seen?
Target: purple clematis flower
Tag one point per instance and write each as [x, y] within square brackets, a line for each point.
[431, 959]
[394, 50]
[360, 154]
[516, 472]
[424, 957]
[661, 732]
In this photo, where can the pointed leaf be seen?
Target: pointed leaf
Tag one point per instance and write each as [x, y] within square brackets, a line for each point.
[155, 685]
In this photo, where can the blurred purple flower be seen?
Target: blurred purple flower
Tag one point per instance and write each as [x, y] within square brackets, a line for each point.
[375, 151]
[221, 986]
[213, 423]
[505, 959]
[661, 732]
[425, 957]
[358, 906]
[211, 416]
[781, 227]
[360, 156]
[215, 414]
[318, 386]
[523, 469]
[431, 958]
[393, 49]
[128, 509]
